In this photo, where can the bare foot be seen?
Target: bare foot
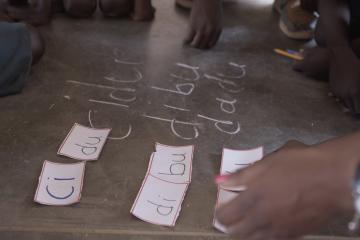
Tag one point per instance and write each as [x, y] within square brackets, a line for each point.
[116, 8]
[35, 14]
[315, 64]
[143, 10]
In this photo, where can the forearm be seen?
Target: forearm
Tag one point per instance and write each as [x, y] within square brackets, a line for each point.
[334, 22]
[343, 154]
[346, 148]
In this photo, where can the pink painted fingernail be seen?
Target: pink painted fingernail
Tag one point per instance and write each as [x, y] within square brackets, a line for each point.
[219, 179]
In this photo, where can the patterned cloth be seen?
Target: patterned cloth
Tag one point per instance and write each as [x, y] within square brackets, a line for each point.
[15, 57]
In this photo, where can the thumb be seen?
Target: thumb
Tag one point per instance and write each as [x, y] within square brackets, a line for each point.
[299, 66]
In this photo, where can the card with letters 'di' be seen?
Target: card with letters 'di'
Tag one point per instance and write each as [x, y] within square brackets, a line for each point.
[164, 187]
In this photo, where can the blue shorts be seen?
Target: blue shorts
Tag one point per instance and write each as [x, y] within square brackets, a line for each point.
[15, 57]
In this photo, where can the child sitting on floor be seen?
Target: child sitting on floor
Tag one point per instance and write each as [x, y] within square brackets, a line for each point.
[40, 11]
[296, 18]
[21, 47]
[336, 56]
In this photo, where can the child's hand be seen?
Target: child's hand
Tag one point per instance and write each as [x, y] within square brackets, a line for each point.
[315, 63]
[291, 192]
[38, 14]
[205, 24]
[345, 77]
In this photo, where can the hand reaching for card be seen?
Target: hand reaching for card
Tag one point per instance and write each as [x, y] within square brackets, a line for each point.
[289, 192]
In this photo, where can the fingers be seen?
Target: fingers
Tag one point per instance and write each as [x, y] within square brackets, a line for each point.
[349, 104]
[253, 227]
[236, 210]
[202, 39]
[189, 38]
[196, 42]
[299, 66]
[214, 39]
[242, 177]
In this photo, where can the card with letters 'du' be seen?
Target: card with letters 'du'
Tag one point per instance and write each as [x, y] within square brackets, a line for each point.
[60, 184]
[83, 143]
[164, 187]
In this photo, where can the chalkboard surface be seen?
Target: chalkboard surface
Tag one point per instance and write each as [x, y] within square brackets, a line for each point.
[139, 80]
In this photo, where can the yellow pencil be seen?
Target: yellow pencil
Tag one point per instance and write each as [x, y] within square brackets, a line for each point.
[289, 55]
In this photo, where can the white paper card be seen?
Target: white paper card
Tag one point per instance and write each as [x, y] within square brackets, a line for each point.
[223, 198]
[234, 160]
[173, 149]
[83, 143]
[60, 184]
[159, 202]
[172, 164]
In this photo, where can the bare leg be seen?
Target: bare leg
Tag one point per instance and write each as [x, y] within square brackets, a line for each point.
[37, 44]
[143, 10]
[80, 8]
[116, 8]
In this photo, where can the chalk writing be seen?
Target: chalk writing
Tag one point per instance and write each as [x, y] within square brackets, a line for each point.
[194, 71]
[111, 138]
[184, 80]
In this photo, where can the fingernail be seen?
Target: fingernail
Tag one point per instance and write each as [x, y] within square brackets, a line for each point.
[219, 179]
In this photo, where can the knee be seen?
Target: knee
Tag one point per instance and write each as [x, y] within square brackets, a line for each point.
[37, 45]
[80, 8]
[115, 8]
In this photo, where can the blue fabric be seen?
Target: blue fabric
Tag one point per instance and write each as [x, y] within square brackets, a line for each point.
[15, 57]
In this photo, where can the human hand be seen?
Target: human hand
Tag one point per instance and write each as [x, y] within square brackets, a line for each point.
[205, 24]
[315, 64]
[291, 192]
[345, 77]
